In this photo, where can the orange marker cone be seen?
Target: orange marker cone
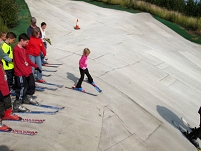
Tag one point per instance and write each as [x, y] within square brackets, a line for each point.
[77, 26]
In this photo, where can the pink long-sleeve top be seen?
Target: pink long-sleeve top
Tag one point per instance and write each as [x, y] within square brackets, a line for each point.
[83, 62]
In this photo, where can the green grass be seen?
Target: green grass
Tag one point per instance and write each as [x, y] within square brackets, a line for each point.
[25, 16]
[181, 31]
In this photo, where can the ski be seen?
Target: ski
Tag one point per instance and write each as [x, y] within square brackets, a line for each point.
[95, 86]
[29, 120]
[185, 133]
[48, 106]
[24, 132]
[39, 88]
[38, 112]
[55, 64]
[49, 70]
[47, 75]
[53, 84]
[72, 88]
[47, 65]
[48, 88]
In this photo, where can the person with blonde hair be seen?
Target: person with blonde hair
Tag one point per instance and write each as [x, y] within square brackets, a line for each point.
[4, 55]
[2, 37]
[83, 67]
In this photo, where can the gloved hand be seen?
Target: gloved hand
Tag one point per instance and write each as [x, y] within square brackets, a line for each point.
[7, 59]
[38, 69]
[1, 96]
[199, 111]
[46, 58]
[49, 41]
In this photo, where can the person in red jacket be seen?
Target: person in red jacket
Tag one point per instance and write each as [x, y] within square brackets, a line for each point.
[35, 47]
[24, 79]
[5, 101]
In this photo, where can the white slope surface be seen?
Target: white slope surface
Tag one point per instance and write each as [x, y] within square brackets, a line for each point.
[148, 73]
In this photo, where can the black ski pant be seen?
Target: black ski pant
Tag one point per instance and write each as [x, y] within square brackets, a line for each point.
[5, 104]
[24, 86]
[196, 133]
[82, 73]
[10, 74]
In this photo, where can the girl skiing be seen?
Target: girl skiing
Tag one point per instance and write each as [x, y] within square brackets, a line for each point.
[83, 67]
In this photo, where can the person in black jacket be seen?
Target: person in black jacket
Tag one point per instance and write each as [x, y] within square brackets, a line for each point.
[196, 133]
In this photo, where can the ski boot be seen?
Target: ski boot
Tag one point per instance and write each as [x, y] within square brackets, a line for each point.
[198, 148]
[79, 89]
[193, 138]
[8, 115]
[92, 83]
[4, 127]
[29, 100]
[17, 107]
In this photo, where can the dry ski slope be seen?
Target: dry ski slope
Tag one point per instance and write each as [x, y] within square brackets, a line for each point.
[149, 76]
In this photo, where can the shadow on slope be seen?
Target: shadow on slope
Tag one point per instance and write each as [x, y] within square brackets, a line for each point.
[72, 77]
[4, 148]
[168, 115]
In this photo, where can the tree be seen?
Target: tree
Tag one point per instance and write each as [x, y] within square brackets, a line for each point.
[190, 8]
[9, 11]
[199, 9]
[178, 5]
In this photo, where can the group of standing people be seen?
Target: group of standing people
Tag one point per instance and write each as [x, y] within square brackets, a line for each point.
[17, 68]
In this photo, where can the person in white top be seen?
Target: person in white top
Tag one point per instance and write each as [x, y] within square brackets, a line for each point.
[44, 39]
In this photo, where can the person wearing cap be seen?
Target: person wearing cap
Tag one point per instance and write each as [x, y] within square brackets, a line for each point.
[32, 26]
